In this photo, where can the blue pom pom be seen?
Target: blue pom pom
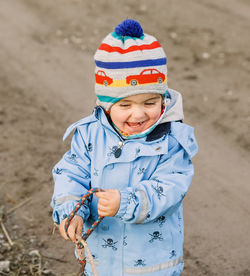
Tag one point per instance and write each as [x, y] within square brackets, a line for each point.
[129, 27]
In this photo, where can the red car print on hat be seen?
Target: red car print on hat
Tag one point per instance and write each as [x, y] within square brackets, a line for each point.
[146, 76]
[102, 78]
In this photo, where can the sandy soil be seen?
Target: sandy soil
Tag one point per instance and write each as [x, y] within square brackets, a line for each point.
[46, 83]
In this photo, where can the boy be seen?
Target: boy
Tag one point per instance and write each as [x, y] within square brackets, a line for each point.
[136, 148]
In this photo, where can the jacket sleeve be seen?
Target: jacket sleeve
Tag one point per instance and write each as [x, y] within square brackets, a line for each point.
[72, 180]
[164, 191]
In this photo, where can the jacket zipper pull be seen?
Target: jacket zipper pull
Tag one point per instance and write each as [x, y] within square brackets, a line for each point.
[118, 151]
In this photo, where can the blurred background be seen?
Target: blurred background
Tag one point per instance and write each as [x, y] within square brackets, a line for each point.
[47, 83]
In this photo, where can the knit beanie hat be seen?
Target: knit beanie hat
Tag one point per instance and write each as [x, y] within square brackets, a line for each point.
[129, 62]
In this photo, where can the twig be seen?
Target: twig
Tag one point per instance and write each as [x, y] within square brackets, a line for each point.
[6, 233]
[53, 258]
[17, 206]
[54, 229]
[35, 269]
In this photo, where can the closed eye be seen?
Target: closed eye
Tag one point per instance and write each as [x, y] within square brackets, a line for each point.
[149, 103]
[124, 105]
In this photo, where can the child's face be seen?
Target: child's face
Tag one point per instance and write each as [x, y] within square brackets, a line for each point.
[137, 113]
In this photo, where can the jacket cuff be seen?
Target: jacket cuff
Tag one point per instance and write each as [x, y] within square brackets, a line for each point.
[62, 211]
[123, 204]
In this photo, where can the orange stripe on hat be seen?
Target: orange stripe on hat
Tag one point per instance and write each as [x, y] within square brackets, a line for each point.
[110, 49]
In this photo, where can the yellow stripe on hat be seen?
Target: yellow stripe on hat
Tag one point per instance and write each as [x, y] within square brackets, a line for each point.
[123, 83]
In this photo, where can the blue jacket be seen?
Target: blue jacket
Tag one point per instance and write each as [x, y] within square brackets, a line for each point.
[153, 175]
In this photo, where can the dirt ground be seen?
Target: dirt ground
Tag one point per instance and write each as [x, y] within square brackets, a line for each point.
[47, 81]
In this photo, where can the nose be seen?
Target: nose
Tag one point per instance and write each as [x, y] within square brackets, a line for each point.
[138, 113]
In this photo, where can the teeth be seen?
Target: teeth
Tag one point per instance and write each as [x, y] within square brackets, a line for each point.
[135, 124]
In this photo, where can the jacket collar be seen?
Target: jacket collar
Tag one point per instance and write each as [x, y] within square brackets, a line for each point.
[159, 131]
[173, 112]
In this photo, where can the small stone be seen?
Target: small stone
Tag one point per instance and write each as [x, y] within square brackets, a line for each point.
[1, 236]
[34, 253]
[229, 92]
[15, 227]
[6, 246]
[173, 35]
[24, 271]
[205, 55]
[46, 272]
[76, 40]
[5, 266]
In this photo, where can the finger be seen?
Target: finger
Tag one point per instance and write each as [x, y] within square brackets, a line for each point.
[100, 194]
[108, 194]
[62, 230]
[72, 232]
[79, 229]
[102, 208]
[103, 213]
[103, 201]
[110, 190]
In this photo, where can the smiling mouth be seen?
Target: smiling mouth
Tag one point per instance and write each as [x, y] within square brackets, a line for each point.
[135, 124]
[134, 128]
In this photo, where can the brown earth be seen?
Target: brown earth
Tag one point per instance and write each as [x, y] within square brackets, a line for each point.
[46, 83]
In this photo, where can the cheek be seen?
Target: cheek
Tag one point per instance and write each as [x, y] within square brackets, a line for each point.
[155, 115]
[117, 117]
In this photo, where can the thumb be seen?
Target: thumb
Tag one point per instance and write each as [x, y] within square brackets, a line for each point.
[100, 194]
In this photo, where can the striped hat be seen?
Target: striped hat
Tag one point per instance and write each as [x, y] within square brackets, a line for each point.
[129, 62]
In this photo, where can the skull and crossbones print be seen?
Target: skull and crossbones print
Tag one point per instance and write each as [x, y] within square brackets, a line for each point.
[109, 243]
[156, 236]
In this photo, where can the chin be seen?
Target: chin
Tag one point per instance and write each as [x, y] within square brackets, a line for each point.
[133, 132]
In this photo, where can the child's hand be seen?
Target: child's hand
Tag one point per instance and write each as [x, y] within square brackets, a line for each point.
[75, 227]
[109, 202]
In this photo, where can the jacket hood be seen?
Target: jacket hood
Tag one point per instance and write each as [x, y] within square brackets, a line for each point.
[174, 109]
